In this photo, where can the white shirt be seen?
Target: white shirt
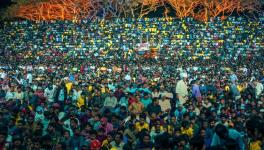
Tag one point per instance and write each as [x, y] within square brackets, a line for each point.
[19, 95]
[259, 89]
[166, 94]
[49, 94]
[128, 77]
[3, 75]
[165, 105]
[181, 88]
[182, 91]
[29, 78]
[10, 95]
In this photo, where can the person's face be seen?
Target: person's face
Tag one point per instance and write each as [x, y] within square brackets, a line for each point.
[17, 143]
[205, 125]
[19, 125]
[156, 102]
[58, 147]
[212, 123]
[109, 138]
[50, 129]
[36, 145]
[88, 128]
[19, 90]
[173, 119]
[117, 138]
[223, 119]
[146, 139]
[92, 136]
[2, 138]
[177, 133]
[66, 134]
[12, 88]
[11, 123]
[202, 133]
[142, 121]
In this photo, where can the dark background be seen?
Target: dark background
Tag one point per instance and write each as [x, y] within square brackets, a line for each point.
[5, 3]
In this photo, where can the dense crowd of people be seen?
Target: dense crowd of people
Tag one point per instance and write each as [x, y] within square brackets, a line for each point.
[84, 85]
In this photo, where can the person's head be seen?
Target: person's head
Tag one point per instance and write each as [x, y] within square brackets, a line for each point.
[223, 118]
[88, 127]
[202, 132]
[93, 134]
[110, 137]
[142, 118]
[211, 123]
[185, 124]
[19, 89]
[253, 126]
[155, 101]
[3, 135]
[173, 119]
[146, 95]
[104, 121]
[12, 88]
[206, 101]
[66, 134]
[177, 131]
[146, 139]
[101, 131]
[17, 141]
[60, 146]
[118, 137]
[221, 131]
[51, 128]
[181, 142]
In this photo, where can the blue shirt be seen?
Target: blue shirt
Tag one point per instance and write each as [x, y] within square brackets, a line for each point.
[233, 134]
[233, 77]
[146, 102]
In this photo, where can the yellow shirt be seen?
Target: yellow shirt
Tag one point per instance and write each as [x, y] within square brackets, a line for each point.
[140, 127]
[240, 88]
[68, 86]
[103, 90]
[255, 145]
[170, 129]
[154, 128]
[188, 131]
[227, 88]
[105, 142]
[80, 102]
[90, 88]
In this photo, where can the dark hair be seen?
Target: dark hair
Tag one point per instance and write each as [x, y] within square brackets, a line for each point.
[253, 125]
[221, 131]
[218, 147]
[93, 132]
[120, 134]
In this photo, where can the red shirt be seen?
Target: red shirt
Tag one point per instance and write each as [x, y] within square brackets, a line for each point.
[95, 144]
[131, 100]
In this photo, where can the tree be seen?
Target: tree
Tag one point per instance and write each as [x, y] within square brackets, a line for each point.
[203, 10]
[223, 8]
[184, 8]
[148, 6]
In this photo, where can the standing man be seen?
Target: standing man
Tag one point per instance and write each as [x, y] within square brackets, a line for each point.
[182, 89]
[258, 88]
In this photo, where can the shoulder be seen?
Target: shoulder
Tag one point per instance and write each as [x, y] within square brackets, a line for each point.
[234, 133]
